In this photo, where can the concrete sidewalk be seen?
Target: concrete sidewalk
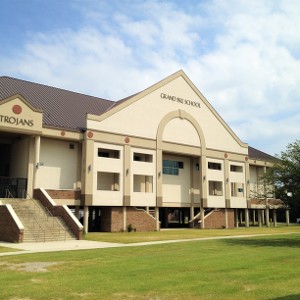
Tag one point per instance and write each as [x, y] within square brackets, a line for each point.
[55, 246]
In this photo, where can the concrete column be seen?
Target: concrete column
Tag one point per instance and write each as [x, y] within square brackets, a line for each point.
[275, 217]
[86, 219]
[246, 217]
[253, 217]
[241, 217]
[259, 215]
[37, 149]
[202, 225]
[287, 217]
[157, 218]
[236, 215]
[267, 217]
[226, 218]
[263, 217]
[192, 216]
[77, 209]
[203, 189]
[124, 220]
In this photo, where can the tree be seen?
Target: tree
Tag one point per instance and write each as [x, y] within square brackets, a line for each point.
[285, 174]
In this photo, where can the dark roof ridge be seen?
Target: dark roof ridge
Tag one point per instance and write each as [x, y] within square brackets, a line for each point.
[56, 88]
[258, 154]
[61, 108]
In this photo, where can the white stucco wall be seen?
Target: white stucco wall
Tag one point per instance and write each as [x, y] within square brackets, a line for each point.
[59, 165]
[143, 117]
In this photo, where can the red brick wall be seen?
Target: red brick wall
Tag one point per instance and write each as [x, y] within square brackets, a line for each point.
[59, 212]
[9, 231]
[112, 219]
[64, 194]
[217, 219]
[140, 220]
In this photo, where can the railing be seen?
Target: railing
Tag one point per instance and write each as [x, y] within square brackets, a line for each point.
[32, 218]
[45, 211]
[35, 210]
[207, 213]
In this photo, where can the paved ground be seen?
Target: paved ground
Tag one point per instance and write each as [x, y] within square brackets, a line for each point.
[55, 246]
[84, 245]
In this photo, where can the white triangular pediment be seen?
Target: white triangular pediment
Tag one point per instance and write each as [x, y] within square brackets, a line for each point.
[142, 114]
[18, 115]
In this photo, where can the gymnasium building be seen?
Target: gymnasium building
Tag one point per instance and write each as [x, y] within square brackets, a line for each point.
[161, 158]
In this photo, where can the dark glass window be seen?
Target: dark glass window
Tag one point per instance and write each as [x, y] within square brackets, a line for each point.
[171, 167]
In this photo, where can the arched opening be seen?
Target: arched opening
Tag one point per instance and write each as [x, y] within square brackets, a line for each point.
[181, 144]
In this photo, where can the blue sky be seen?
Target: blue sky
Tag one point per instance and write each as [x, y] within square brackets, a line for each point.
[244, 56]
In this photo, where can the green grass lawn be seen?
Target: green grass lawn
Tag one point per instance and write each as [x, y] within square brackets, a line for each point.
[263, 267]
[134, 237]
[7, 249]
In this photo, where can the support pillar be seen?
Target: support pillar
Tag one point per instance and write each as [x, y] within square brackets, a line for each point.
[86, 219]
[124, 219]
[157, 218]
[202, 225]
[77, 214]
[275, 217]
[253, 217]
[236, 215]
[259, 215]
[267, 217]
[192, 216]
[37, 149]
[287, 217]
[241, 217]
[246, 217]
[226, 218]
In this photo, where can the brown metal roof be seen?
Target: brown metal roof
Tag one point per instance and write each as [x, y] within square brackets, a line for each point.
[67, 110]
[61, 108]
[257, 154]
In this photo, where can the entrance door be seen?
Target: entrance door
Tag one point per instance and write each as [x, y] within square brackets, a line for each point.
[13, 164]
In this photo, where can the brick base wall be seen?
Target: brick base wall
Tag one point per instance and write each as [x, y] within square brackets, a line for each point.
[59, 212]
[64, 194]
[217, 219]
[9, 231]
[112, 219]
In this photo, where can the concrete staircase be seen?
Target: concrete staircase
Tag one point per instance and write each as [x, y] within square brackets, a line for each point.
[39, 224]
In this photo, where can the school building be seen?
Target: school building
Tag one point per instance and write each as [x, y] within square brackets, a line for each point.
[161, 158]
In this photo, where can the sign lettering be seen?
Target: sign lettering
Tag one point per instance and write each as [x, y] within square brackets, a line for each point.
[180, 100]
[16, 121]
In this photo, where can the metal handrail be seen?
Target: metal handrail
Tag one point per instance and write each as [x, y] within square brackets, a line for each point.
[42, 211]
[10, 195]
[48, 214]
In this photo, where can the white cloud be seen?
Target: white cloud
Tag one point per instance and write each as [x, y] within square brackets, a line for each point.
[242, 55]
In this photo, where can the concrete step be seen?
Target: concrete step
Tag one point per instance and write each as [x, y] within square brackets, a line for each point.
[38, 224]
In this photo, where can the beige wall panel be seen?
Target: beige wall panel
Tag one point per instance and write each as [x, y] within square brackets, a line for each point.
[142, 117]
[182, 132]
[58, 165]
[24, 119]
[143, 199]
[216, 201]
[238, 202]
[108, 198]
[176, 188]
[110, 166]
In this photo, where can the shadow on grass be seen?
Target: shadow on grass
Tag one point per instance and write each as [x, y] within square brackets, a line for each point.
[292, 241]
[289, 297]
